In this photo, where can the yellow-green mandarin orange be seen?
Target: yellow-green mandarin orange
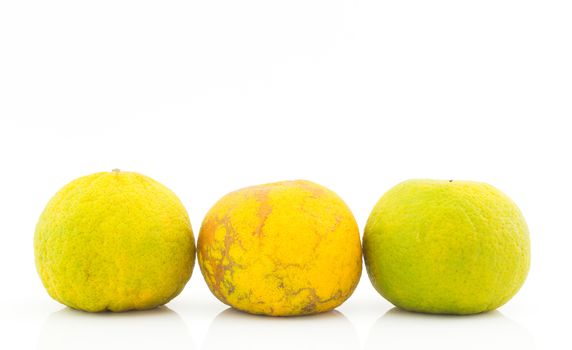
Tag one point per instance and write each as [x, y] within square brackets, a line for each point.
[114, 241]
[281, 249]
[447, 247]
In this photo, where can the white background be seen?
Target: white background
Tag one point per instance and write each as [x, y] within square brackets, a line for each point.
[210, 96]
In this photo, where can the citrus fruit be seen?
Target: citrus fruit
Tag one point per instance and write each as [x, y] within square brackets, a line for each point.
[114, 241]
[452, 247]
[280, 249]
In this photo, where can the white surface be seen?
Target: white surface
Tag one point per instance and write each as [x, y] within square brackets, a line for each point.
[210, 96]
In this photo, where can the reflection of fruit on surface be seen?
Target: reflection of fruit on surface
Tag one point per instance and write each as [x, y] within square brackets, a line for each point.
[232, 329]
[114, 241]
[453, 247]
[69, 329]
[286, 248]
[491, 331]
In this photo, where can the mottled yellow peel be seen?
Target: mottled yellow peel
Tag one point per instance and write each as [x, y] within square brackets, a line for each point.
[286, 248]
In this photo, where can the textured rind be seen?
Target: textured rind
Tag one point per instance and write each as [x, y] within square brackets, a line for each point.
[450, 247]
[281, 249]
[114, 241]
